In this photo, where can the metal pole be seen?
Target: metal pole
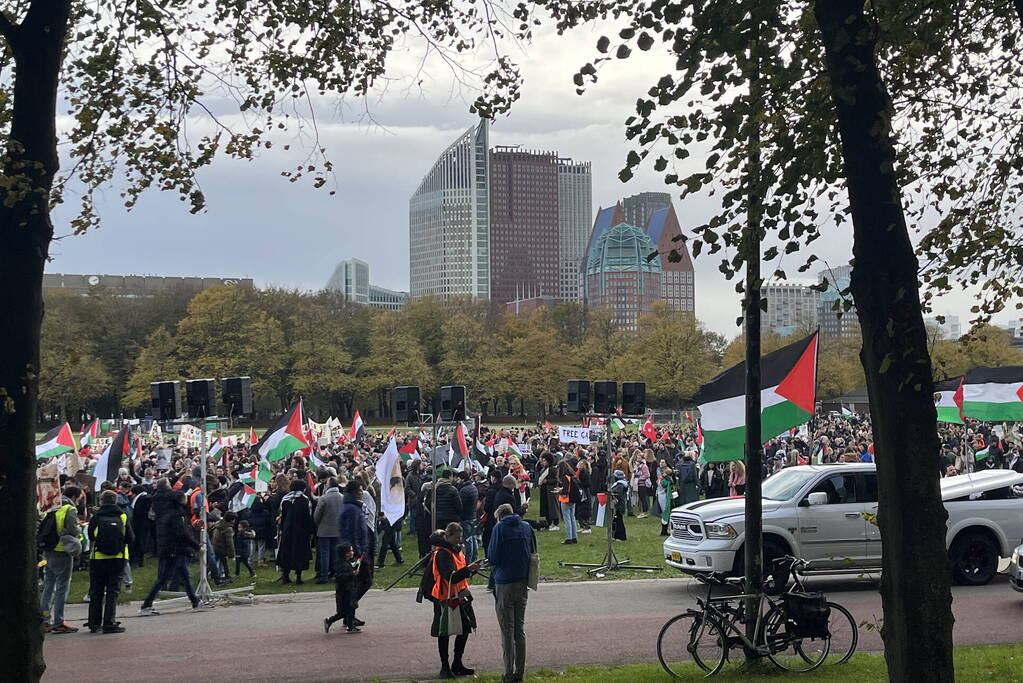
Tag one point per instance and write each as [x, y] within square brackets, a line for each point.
[203, 590]
[754, 550]
[433, 489]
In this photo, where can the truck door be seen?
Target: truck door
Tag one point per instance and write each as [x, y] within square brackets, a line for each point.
[834, 535]
[868, 493]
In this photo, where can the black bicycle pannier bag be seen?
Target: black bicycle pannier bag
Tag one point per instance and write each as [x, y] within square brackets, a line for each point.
[807, 615]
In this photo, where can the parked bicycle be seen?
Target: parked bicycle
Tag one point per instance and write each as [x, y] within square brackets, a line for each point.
[798, 631]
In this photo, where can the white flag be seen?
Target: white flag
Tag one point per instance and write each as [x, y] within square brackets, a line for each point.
[392, 485]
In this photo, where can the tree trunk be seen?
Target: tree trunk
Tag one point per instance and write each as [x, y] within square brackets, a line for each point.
[25, 234]
[915, 583]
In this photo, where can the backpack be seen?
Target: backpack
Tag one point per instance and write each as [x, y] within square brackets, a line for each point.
[47, 536]
[426, 583]
[109, 535]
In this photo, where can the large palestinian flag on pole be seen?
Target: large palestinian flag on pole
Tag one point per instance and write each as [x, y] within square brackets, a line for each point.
[948, 400]
[994, 394]
[285, 437]
[57, 441]
[113, 455]
[788, 380]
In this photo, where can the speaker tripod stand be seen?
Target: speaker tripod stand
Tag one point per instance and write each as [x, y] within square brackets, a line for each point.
[610, 563]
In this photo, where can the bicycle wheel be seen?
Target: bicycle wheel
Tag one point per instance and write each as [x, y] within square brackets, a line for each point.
[691, 637]
[845, 635]
[788, 652]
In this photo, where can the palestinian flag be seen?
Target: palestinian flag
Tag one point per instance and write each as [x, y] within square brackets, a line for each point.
[948, 399]
[982, 453]
[217, 449]
[788, 380]
[617, 425]
[244, 499]
[284, 438]
[88, 437]
[994, 394]
[410, 451]
[248, 477]
[263, 472]
[459, 448]
[480, 453]
[56, 441]
[358, 432]
[135, 449]
[110, 461]
[649, 431]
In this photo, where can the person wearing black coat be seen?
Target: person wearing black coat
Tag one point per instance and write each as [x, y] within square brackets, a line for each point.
[712, 483]
[448, 502]
[174, 546]
[141, 524]
[297, 528]
[489, 507]
[261, 522]
[509, 493]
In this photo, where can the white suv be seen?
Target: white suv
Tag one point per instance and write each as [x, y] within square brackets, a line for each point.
[820, 514]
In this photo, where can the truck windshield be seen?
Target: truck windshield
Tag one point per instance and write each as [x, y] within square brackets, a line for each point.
[786, 483]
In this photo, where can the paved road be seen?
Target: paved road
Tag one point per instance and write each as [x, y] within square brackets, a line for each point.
[566, 624]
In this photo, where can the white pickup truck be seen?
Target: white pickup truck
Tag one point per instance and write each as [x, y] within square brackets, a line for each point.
[817, 513]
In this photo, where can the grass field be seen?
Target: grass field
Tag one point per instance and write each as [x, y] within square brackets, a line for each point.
[643, 547]
[986, 663]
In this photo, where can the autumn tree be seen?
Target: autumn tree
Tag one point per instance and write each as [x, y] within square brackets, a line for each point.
[395, 358]
[73, 376]
[156, 362]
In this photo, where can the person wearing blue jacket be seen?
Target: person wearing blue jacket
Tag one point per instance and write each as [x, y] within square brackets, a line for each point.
[511, 544]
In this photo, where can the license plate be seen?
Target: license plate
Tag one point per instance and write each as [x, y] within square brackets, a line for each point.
[676, 557]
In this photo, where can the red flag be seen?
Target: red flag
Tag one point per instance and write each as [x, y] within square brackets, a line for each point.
[548, 426]
[253, 439]
[410, 447]
[649, 431]
[958, 397]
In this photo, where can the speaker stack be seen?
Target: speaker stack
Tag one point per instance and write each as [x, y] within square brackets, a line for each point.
[166, 400]
[605, 397]
[236, 395]
[633, 398]
[405, 404]
[452, 403]
[201, 397]
[578, 396]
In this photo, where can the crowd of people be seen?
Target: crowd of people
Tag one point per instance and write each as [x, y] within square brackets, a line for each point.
[328, 519]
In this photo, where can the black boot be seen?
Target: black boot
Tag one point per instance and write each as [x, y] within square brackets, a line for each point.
[459, 669]
[445, 671]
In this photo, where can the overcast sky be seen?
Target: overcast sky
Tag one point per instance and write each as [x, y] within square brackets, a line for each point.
[289, 234]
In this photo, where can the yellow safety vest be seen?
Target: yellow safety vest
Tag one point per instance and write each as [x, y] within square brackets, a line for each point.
[60, 517]
[97, 555]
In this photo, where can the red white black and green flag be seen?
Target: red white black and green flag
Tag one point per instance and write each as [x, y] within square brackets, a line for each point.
[994, 394]
[87, 437]
[788, 380]
[56, 441]
[358, 432]
[284, 438]
[110, 461]
[948, 400]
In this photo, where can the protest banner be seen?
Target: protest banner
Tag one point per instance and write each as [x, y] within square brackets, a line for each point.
[579, 435]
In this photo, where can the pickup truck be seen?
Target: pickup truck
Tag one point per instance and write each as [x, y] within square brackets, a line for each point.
[820, 513]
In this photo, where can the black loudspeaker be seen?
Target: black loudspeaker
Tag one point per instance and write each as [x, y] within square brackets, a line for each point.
[452, 403]
[166, 400]
[405, 404]
[605, 397]
[578, 396]
[236, 395]
[633, 398]
[201, 397]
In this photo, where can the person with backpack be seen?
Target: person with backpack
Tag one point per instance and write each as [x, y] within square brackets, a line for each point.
[58, 540]
[110, 534]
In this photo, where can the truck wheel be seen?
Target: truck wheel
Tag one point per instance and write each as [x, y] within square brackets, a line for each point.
[772, 551]
[974, 559]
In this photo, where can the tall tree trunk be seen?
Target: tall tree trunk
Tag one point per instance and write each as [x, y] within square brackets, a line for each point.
[915, 584]
[25, 234]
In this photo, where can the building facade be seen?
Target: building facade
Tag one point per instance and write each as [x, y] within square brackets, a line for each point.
[832, 317]
[351, 278]
[790, 307]
[131, 286]
[387, 299]
[950, 329]
[619, 277]
[449, 222]
[575, 218]
[678, 282]
[639, 207]
[524, 223]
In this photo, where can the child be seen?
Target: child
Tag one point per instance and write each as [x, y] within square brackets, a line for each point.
[243, 546]
[346, 569]
[223, 543]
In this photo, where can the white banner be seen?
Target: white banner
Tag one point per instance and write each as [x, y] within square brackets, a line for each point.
[580, 435]
[392, 486]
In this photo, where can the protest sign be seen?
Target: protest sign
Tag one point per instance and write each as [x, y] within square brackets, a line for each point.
[579, 435]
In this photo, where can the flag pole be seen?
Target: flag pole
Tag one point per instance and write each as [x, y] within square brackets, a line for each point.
[203, 591]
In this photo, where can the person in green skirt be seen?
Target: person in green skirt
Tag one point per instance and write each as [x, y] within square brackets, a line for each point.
[665, 494]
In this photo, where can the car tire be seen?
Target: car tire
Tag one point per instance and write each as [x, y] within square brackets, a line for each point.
[974, 559]
[772, 551]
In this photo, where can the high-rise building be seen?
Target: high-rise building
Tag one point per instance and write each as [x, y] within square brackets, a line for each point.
[638, 207]
[678, 283]
[351, 278]
[575, 217]
[951, 328]
[832, 317]
[790, 307]
[449, 222]
[524, 223]
[619, 277]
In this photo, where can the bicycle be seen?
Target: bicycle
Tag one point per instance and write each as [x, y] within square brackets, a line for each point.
[706, 635]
